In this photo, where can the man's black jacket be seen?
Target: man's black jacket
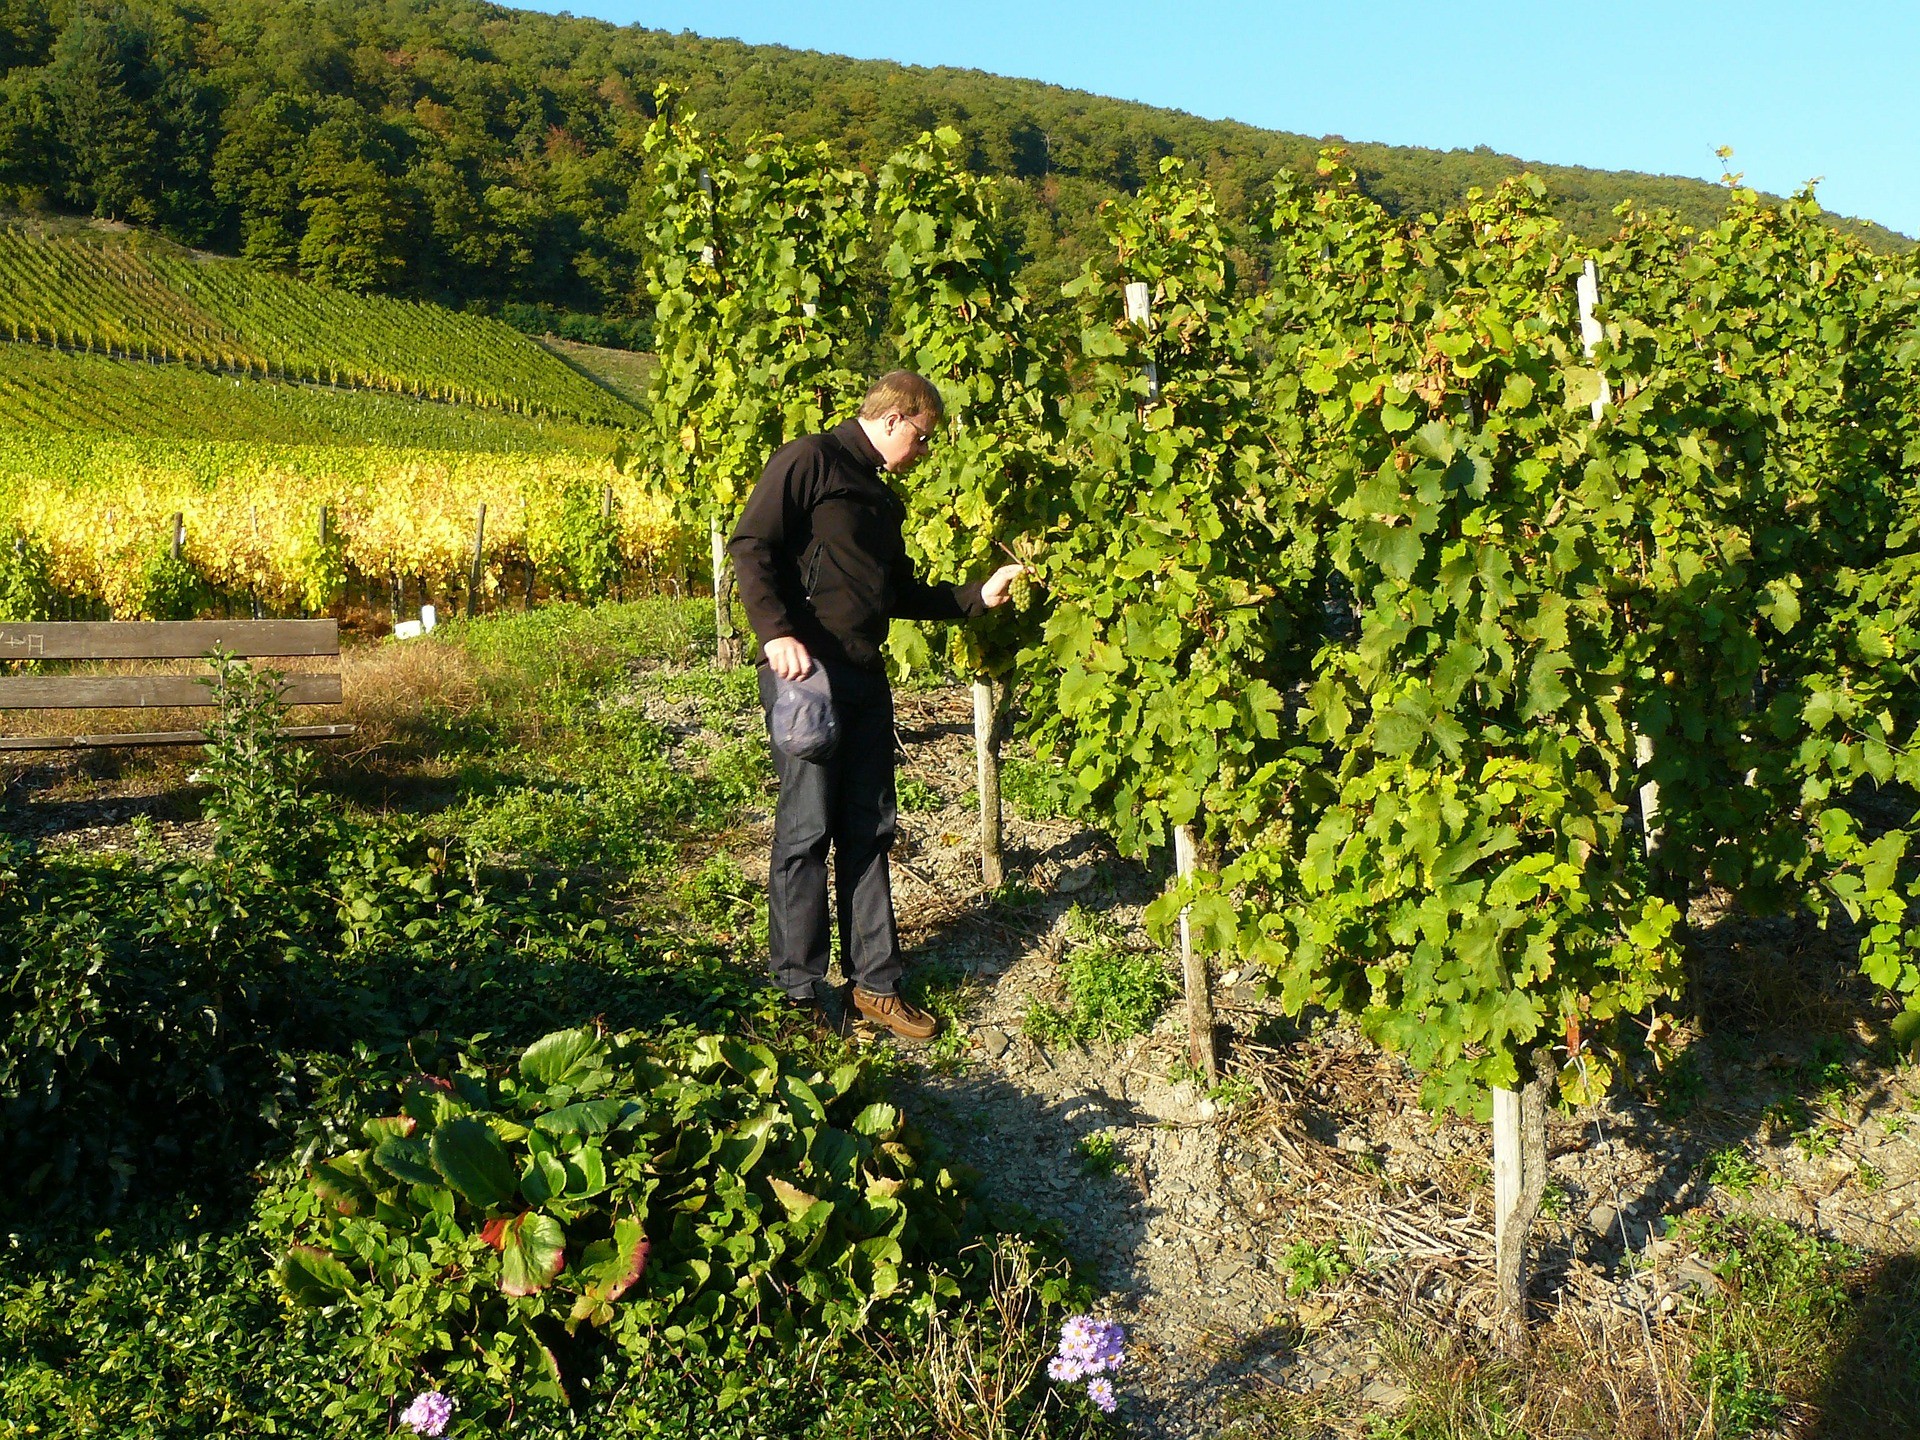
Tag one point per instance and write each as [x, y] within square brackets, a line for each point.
[819, 555]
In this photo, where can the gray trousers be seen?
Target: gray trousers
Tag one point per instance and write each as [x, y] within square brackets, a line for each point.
[846, 805]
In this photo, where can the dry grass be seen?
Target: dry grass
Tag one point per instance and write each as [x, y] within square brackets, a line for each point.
[973, 1378]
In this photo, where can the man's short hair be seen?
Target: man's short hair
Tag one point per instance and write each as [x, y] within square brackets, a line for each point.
[901, 392]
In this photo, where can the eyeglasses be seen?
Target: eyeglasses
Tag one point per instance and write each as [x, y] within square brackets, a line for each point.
[923, 438]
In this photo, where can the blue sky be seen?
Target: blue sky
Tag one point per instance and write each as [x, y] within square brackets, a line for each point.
[1799, 90]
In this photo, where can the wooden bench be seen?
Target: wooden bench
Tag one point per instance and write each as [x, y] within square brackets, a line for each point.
[158, 640]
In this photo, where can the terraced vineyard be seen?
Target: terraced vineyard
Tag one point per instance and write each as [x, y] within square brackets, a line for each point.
[54, 391]
[136, 297]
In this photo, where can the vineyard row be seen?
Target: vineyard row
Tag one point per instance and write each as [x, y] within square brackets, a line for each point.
[89, 522]
[139, 299]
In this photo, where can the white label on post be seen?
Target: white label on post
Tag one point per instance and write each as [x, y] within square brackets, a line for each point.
[1587, 287]
[1139, 306]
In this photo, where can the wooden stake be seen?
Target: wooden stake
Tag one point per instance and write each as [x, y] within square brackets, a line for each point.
[179, 534]
[986, 756]
[1193, 967]
[473, 570]
[1649, 795]
[1519, 1180]
[727, 648]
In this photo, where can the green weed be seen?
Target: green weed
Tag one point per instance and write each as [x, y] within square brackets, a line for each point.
[1231, 1091]
[1100, 1154]
[1772, 1334]
[1741, 1405]
[1735, 1172]
[917, 797]
[1681, 1087]
[1311, 1266]
[1112, 994]
[1036, 789]
[941, 987]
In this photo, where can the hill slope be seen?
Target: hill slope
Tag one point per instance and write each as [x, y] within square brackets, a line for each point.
[132, 296]
[479, 154]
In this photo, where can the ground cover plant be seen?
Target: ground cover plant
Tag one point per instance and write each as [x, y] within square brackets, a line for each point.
[327, 1031]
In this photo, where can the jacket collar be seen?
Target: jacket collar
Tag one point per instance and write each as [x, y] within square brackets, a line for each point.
[855, 441]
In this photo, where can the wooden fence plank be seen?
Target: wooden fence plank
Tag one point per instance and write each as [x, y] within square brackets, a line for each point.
[166, 639]
[158, 737]
[113, 692]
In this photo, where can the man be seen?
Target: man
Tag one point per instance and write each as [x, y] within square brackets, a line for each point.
[822, 570]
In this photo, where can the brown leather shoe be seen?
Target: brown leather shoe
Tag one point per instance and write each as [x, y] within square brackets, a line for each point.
[901, 1016]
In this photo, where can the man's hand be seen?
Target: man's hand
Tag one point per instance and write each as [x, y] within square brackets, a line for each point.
[788, 658]
[1000, 585]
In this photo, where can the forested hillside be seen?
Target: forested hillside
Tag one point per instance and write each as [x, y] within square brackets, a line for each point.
[485, 156]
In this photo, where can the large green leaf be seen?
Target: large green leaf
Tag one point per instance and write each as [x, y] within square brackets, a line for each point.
[312, 1277]
[566, 1057]
[406, 1160]
[533, 1248]
[474, 1161]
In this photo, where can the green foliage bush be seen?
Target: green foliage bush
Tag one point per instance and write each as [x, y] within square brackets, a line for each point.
[511, 1229]
[606, 331]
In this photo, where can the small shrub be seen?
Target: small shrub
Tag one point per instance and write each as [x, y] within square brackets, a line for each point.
[261, 803]
[1035, 788]
[1112, 993]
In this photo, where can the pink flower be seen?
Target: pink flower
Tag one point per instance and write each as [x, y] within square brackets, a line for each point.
[428, 1414]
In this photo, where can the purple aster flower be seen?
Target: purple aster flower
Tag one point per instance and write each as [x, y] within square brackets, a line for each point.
[428, 1414]
[1100, 1391]
[1063, 1369]
[1094, 1345]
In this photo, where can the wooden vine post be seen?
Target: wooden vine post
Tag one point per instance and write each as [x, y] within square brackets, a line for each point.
[1519, 1182]
[986, 758]
[1194, 974]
